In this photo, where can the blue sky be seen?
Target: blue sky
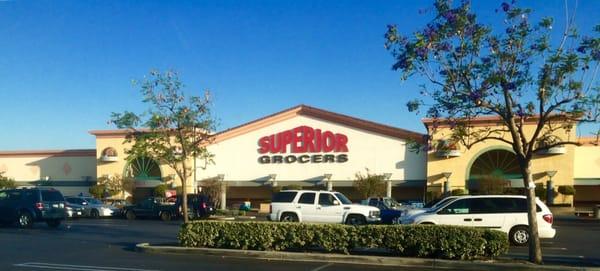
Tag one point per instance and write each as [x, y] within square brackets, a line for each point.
[66, 65]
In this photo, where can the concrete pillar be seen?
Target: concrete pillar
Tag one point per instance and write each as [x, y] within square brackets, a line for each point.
[446, 187]
[223, 196]
[329, 185]
[549, 193]
[388, 189]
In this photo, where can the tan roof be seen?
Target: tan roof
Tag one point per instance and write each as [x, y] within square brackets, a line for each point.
[60, 153]
[309, 111]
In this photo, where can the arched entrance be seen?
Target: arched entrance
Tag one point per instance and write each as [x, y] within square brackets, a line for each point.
[147, 175]
[493, 171]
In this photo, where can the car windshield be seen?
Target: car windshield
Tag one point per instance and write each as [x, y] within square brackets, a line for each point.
[436, 207]
[392, 203]
[343, 198]
[93, 201]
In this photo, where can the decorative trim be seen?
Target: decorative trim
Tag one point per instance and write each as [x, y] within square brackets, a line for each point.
[589, 141]
[53, 153]
[586, 181]
[305, 110]
[63, 183]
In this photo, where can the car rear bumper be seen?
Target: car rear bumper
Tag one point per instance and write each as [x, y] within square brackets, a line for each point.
[546, 232]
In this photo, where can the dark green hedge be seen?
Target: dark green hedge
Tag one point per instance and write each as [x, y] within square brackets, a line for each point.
[446, 242]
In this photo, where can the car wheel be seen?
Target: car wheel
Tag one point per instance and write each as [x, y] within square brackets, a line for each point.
[25, 220]
[53, 223]
[130, 215]
[356, 220]
[519, 235]
[94, 213]
[287, 217]
[165, 216]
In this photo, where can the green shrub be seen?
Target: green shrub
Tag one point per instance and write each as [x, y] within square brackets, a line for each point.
[161, 190]
[566, 190]
[446, 242]
[97, 190]
[458, 192]
[6, 183]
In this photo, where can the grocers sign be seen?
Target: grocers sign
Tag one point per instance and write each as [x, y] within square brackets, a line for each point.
[303, 145]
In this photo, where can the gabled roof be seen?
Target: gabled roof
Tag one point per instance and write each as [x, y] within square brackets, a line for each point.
[317, 113]
[54, 153]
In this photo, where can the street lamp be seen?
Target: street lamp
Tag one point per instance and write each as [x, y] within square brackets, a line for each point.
[550, 187]
[447, 182]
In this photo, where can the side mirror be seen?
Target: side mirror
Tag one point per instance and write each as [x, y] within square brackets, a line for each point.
[336, 202]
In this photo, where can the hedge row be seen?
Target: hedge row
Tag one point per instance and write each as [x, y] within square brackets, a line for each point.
[445, 242]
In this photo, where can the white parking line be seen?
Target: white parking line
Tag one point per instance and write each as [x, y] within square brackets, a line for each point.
[77, 267]
[322, 267]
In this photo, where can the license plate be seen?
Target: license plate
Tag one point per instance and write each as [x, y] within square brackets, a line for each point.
[78, 213]
[54, 205]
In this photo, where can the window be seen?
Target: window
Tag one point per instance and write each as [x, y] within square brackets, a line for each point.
[326, 199]
[307, 198]
[343, 198]
[284, 197]
[485, 206]
[51, 196]
[457, 207]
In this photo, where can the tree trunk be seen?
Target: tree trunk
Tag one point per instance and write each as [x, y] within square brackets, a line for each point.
[184, 202]
[535, 249]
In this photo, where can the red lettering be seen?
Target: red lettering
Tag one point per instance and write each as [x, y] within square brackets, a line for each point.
[328, 141]
[309, 136]
[318, 140]
[303, 139]
[340, 143]
[298, 145]
[275, 145]
[263, 142]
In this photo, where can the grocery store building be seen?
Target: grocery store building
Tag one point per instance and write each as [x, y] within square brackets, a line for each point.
[316, 149]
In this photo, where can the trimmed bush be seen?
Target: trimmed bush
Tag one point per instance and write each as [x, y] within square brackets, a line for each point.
[445, 242]
[566, 190]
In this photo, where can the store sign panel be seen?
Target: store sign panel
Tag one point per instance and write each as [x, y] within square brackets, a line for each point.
[303, 144]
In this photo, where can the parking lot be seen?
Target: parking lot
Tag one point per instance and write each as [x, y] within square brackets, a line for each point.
[107, 244]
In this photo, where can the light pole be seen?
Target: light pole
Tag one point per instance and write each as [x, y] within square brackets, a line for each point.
[550, 187]
[447, 182]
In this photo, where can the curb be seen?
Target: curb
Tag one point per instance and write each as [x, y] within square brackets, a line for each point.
[355, 259]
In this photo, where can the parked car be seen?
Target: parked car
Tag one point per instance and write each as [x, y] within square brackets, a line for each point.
[76, 210]
[389, 207]
[320, 206]
[506, 213]
[26, 206]
[167, 209]
[429, 206]
[94, 208]
[199, 205]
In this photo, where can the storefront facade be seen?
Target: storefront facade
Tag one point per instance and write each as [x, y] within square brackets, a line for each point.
[316, 149]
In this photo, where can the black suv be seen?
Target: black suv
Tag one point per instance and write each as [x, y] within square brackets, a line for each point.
[26, 206]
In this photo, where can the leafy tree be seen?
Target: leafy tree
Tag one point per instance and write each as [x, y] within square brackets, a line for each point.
[213, 189]
[116, 184]
[5, 182]
[176, 128]
[370, 185]
[97, 190]
[514, 73]
[160, 190]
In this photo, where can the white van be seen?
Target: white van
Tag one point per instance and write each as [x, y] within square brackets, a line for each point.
[506, 213]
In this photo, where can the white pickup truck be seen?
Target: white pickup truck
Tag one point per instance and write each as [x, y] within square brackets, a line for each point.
[320, 206]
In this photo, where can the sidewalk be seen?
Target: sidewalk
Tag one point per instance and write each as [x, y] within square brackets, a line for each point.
[499, 264]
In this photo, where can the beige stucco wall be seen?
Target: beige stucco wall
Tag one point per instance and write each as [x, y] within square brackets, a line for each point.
[587, 162]
[118, 167]
[460, 166]
[237, 157]
[35, 168]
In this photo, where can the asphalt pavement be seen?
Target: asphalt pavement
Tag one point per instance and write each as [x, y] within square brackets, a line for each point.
[109, 244]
